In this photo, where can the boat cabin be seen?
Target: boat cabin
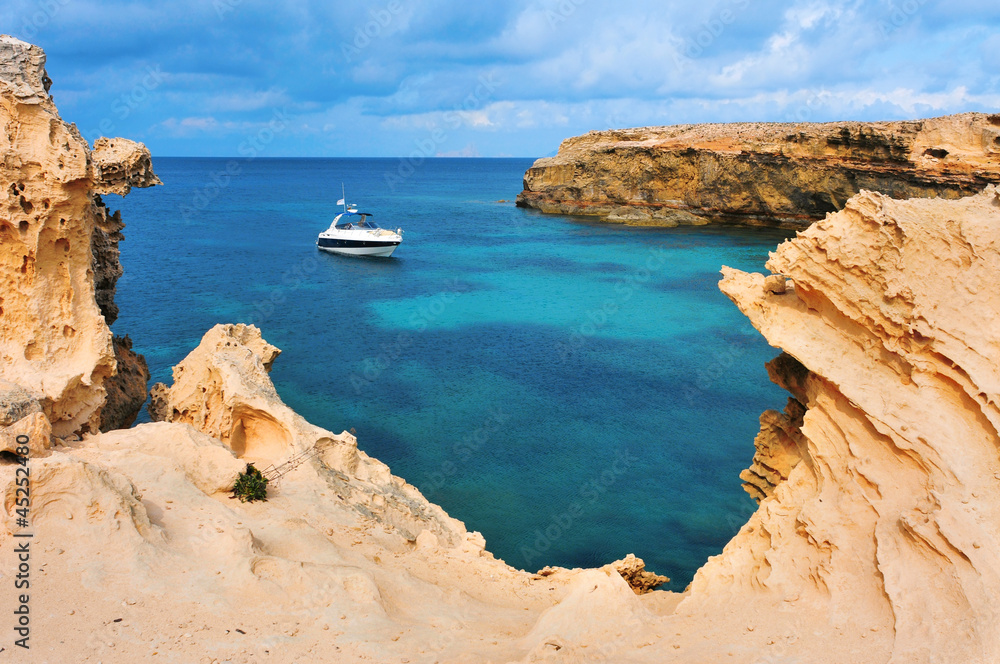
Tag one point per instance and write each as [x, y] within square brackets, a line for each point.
[349, 220]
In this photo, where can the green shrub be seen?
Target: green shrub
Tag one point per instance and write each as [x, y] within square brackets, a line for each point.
[251, 485]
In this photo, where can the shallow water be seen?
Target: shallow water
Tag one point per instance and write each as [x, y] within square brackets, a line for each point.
[575, 391]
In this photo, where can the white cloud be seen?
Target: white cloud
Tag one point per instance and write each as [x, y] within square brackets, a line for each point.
[559, 67]
[246, 101]
[795, 50]
[469, 150]
[187, 127]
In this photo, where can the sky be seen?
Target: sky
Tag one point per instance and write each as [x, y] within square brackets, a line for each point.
[399, 78]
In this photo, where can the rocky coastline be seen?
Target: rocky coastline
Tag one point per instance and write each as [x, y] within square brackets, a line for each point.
[761, 174]
[876, 538]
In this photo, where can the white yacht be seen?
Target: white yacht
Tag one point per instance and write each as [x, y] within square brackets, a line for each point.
[354, 233]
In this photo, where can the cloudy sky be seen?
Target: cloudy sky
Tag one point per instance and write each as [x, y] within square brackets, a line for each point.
[506, 78]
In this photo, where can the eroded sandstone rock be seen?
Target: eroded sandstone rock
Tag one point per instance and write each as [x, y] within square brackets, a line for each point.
[779, 446]
[223, 389]
[888, 527]
[778, 450]
[126, 390]
[633, 570]
[787, 174]
[120, 164]
[58, 246]
[21, 415]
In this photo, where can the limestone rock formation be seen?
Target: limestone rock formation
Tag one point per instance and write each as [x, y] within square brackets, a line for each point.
[120, 164]
[578, 628]
[633, 570]
[126, 390]
[787, 174]
[778, 450]
[779, 445]
[222, 388]
[58, 248]
[21, 415]
[22, 71]
[889, 524]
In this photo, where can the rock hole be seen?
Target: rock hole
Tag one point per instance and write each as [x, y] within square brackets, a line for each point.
[238, 439]
[26, 205]
[62, 221]
[32, 351]
[24, 266]
[63, 243]
[822, 202]
[68, 332]
[46, 204]
[996, 141]
[7, 457]
[994, 120]
[258, 435]
[23, 226]
[937, 153]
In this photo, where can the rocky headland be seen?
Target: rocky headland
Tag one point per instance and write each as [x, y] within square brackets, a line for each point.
[775, 174]
[876, 538]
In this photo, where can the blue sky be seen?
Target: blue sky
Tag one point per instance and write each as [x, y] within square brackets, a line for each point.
[514, 78]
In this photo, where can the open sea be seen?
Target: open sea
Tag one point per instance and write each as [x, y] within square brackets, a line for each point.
[573, 390]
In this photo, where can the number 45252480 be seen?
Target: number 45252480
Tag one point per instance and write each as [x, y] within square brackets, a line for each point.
[22, 492]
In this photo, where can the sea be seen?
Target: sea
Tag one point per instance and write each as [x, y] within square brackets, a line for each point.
[573, 390]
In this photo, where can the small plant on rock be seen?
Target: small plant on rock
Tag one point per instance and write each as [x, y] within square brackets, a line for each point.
[251, 485]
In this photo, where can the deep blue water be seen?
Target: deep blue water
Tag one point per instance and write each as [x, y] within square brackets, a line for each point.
[575, 391]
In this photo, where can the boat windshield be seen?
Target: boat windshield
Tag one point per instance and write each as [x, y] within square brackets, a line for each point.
[350, 220]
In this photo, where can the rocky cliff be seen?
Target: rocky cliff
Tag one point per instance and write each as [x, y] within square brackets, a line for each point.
[59, 256]
[884, 519]
[761, 173]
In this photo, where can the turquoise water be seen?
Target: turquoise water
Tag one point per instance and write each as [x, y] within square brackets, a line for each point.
[575, 391]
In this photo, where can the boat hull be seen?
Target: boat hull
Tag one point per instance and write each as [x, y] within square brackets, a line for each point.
[357, 247]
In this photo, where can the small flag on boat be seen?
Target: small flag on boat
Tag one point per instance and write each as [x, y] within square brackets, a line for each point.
[340, 202]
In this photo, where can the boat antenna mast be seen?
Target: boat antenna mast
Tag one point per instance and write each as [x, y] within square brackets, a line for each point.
[343, 196]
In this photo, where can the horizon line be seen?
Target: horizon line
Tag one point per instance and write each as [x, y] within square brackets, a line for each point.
[244, 158]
